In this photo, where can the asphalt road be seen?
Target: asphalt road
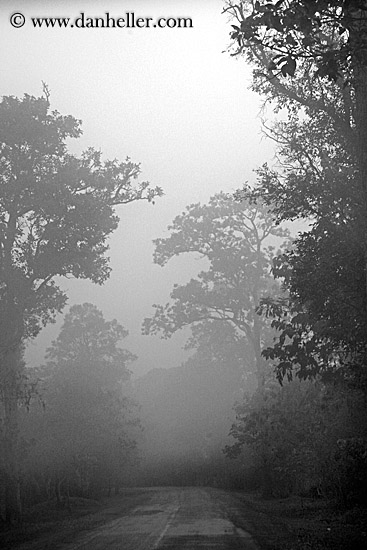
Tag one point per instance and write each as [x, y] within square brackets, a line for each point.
[171, 519]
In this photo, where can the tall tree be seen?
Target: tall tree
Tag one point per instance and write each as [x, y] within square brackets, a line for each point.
[310, 61]
[327, 38]
[56, 213]
[325, 271]
[239, 243]
[310, 57]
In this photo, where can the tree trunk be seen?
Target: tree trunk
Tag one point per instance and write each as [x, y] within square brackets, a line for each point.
[259, 360]
[11, 469]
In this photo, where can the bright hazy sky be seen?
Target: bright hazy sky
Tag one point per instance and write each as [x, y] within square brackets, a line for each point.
[169, 99]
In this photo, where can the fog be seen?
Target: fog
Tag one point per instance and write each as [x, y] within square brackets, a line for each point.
[171, 99]
[176, 102]
[183, 306]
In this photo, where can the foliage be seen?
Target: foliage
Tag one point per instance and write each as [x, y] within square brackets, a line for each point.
[326, 33]
[324, 325]
[239, 242]
[277, 428]
[325, 270]
[297, 433]
[320, 177]
[84, 437]
[219, 343]
[56, 212]
[86, 340]
[309, 61]
[326, 335]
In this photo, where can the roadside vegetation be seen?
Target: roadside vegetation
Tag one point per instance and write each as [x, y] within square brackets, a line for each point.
[272, 402]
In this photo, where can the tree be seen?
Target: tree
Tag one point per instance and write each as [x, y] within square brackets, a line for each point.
[238, 241]
[306, 438]
[324, 273]
[310, 58]
[86, 433]
[330, 37]
[277, 430]
[56, 213]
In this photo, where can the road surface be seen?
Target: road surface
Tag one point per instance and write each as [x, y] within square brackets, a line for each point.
[171, 519]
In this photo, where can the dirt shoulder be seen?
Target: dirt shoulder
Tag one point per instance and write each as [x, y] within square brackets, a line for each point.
[301, 524]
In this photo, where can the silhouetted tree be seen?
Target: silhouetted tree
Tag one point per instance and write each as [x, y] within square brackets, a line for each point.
[309, 57]
[239, 242]
[56, 212]
[84, 437]
[328, 37]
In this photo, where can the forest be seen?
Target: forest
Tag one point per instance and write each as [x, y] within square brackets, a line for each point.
[273, 398]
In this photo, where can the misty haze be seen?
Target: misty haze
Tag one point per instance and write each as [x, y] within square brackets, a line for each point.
[183, 275]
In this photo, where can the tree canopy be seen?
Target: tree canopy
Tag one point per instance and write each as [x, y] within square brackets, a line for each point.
[239, 242]
[56, 212]
[83, 439]
[309, 57]
[327, 33]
